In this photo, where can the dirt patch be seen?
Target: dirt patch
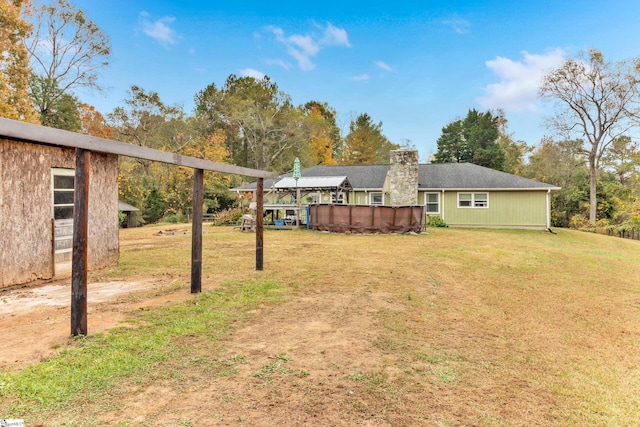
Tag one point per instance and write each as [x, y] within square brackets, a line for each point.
[35, 319]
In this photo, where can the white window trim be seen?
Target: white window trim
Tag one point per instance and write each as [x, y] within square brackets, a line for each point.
[60, 172]
[377, 193]
[473, 200]
[437, 202]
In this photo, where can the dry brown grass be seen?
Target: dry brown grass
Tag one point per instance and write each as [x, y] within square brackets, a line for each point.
[453, 327]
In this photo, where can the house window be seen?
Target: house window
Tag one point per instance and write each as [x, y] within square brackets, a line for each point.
[376, 198]
[63, 183]
[432, 203]
[473, 200]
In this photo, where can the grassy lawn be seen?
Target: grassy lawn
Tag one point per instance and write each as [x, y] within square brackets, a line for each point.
[453, 327]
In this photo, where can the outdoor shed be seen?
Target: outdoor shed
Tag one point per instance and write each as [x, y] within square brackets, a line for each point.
[36, 210]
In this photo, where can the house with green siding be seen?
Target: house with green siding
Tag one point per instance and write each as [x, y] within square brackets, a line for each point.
[461, 194]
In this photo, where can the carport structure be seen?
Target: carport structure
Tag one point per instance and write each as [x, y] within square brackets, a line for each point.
[84, 145]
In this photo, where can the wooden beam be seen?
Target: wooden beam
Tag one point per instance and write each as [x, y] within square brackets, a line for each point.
[79, 265]
[259, 224]
[196, 231]
[28, 132]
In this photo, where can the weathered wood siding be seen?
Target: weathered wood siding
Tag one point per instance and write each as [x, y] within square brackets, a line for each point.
[26, 235]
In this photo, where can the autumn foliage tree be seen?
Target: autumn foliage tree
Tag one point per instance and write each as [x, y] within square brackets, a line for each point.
[93, 122]
[14, 64]
[160, 190]
[366, 144]
[323, 133]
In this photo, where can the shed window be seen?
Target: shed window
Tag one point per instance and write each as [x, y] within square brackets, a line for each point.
[63, 184]
[376, 198]
[473, 200]
[432, 203]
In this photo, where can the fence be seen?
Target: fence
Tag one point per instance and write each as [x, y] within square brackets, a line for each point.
[625, 233]
[366, 219]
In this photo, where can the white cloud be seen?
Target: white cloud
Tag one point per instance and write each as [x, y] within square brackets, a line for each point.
[457, 24]
[250, 72]
[278, 62]
[361, 77]
[159, 30]
[517, 88]
[334, 36]
[303, 48]
[384, 66]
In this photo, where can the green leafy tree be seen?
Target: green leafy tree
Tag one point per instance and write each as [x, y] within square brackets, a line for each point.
[595, 101]
[366, 144]
[15, 102]
[56, 108]
[559, 163]
[163, 190]
[623, 160]
[514, 151]
[452, 147]
[264, 130]
[67, 50]
[473, 139]
[146, 121]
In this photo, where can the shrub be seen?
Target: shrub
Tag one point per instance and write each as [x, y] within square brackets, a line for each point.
[435, 221]
[173, 217]
[228, 217]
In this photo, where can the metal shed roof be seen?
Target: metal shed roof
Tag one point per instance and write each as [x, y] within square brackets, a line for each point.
[312, 182]
[126, 207]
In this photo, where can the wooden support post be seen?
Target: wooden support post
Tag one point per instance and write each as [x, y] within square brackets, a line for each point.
[79, 265]
[259, 224]
[196, 231]
[53, 248]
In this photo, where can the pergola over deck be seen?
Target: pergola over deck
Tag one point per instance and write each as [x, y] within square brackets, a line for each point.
[84, 145]
[333, 184]
[297, 189]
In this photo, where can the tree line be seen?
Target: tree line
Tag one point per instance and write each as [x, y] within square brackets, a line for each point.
[51, 50]
[595, 156]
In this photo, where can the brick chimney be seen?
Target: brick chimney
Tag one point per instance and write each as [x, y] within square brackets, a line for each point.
[402, 178]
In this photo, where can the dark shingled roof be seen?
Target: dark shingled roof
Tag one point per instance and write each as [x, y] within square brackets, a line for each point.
[432, 176]
[470, 176]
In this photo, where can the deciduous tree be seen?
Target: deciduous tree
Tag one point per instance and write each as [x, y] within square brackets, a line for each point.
[93, 123]
[558, 163]
[264, 129]
[514, 151]
[148, 122]
[324, 134]
[596, 101]
[15, 102]
[56, 108]
[67, 50]
[366, 144]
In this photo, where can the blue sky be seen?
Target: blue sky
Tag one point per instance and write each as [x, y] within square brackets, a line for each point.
[415, 66]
